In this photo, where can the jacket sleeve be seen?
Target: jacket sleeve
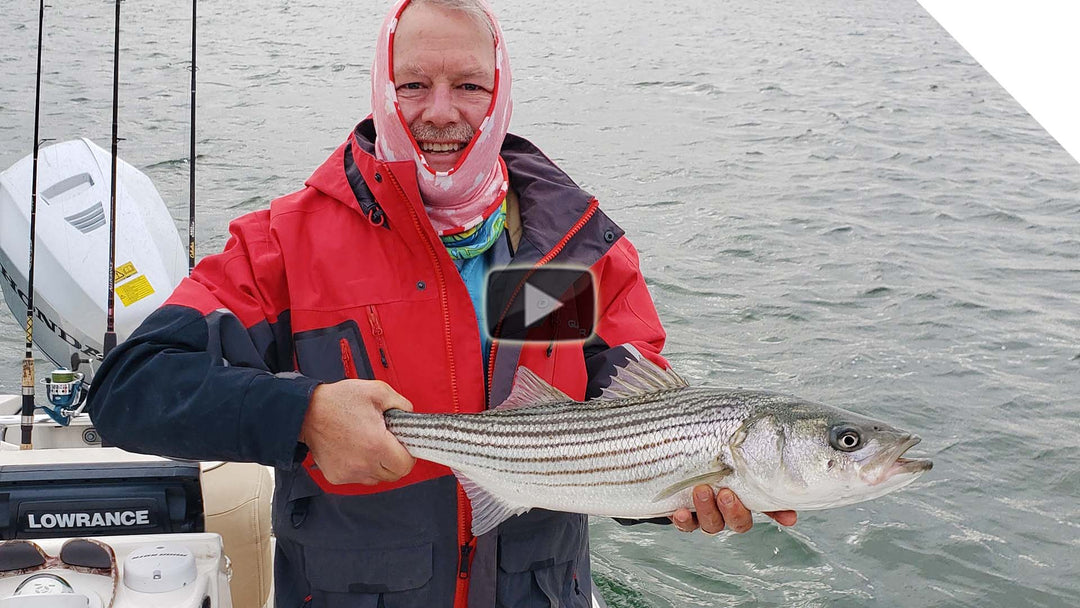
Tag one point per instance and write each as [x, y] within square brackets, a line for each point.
[209, 375]
[626, 317]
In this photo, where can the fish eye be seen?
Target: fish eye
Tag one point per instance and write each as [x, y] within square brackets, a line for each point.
[845, 438]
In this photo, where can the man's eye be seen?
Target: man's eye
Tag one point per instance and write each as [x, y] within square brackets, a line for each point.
[472, 87]
[411, 86]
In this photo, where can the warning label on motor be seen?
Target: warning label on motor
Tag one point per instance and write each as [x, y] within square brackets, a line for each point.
[124, 271]
[134, 290]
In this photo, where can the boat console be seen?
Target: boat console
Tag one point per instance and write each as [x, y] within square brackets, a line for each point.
[100, 527]
[97, 492]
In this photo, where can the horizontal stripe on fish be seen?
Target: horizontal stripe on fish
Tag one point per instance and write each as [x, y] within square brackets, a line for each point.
[451, 429]
[583, 423]
[569, 412]
[631, 441]
[638, 472]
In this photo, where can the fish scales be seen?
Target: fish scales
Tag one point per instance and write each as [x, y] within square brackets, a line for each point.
[570, 433]
[561, 449]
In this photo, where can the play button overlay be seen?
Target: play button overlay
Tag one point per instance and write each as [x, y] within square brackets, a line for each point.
[546, 304]
[538, 304]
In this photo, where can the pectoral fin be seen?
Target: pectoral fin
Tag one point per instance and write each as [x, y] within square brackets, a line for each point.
[710, 478]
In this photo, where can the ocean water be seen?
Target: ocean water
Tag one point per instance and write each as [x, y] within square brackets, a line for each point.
[830, 199]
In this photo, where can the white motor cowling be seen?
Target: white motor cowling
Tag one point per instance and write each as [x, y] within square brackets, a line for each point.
[72, 249]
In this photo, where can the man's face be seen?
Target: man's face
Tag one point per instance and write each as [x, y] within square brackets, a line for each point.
[444, 70]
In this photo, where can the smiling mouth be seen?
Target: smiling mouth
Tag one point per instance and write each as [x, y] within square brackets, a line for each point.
[429, 147]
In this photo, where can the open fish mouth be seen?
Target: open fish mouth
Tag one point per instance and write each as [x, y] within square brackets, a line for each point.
[892, 463]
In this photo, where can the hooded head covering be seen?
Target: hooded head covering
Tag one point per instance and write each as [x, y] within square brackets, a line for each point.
[462, 197]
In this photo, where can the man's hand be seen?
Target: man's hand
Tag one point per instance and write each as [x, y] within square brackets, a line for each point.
[347, 436]
[724, 510]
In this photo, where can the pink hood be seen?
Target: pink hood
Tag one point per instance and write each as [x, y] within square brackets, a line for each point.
[462, 197]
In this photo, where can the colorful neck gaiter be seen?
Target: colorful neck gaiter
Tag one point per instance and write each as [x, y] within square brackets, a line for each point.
[461, 198]
[468, 250]
[477, 240]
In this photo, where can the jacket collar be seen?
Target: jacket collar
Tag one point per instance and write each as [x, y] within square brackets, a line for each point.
[550, 202]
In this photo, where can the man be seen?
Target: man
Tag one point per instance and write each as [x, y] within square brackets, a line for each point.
[360, 293]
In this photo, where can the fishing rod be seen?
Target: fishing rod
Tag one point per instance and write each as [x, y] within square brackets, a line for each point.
[109, 342]
[28, 360]
[191, 204]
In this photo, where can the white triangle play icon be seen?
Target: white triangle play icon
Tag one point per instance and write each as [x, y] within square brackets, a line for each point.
[538, 305]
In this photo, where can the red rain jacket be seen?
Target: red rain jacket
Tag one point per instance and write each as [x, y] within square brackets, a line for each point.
[347, 279]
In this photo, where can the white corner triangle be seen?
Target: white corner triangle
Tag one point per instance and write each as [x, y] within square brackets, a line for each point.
[1030, 48]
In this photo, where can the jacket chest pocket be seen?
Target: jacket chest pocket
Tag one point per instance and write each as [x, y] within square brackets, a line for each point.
[333, 353]
[357, 348]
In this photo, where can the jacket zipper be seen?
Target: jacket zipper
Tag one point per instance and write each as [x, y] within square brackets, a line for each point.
[380, 339]
[465, 564]
[584, 219]
[465, 538]
[347, 359]
[444, 301]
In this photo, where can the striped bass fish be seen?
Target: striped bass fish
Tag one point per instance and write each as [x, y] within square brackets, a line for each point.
[638, 450]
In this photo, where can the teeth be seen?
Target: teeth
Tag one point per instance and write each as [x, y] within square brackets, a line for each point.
[438, 147]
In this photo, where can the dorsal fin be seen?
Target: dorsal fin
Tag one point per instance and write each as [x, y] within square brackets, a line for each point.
[639, 376]
[529, 390]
